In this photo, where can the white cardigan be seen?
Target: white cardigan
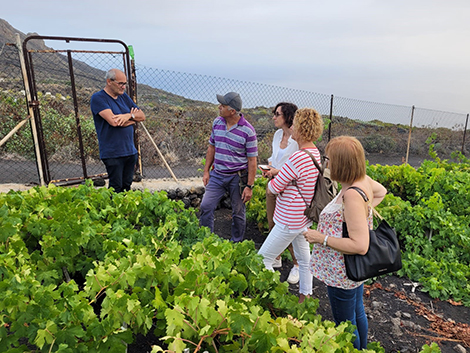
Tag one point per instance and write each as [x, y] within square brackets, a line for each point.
[279, 157]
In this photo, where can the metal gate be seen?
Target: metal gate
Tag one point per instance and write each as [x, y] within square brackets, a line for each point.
[59, 85]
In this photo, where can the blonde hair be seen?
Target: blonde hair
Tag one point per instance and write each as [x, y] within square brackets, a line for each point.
[347, 159]
[308, 123]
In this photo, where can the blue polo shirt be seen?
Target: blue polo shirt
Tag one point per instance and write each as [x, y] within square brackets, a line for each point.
[113, 141]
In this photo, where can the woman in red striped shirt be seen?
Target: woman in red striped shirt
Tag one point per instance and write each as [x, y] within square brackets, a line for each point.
[289, 218]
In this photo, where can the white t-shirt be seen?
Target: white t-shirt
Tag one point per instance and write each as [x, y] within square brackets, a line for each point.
[280, 156]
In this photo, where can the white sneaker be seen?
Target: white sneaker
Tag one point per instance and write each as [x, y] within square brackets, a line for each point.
[277, 263]
[293, 275]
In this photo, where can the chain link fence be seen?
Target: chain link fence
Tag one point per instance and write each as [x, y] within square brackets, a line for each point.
[383, 129]
[180, 108]
[16, 152]
[58, 110]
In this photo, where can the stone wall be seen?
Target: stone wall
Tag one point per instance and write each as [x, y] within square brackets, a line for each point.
[192, 197]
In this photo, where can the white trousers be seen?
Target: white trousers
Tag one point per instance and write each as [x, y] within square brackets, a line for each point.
[277, 241]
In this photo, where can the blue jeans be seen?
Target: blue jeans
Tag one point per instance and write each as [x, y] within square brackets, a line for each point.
[120, 172]
[347, 305]
[215, 190]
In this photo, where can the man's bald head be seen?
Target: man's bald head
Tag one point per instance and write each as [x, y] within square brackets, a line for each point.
[116, 82]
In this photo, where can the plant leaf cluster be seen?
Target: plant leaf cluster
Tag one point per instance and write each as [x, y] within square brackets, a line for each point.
[429, 207]
[430, 210]
[140, 264]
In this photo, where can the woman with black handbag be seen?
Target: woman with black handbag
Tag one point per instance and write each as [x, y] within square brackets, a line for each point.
[347, 165]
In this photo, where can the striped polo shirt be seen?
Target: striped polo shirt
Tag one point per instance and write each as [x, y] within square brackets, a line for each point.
[233, 147]
[290, 206]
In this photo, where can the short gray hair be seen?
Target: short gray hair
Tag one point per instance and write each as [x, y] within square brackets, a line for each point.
[111, 75]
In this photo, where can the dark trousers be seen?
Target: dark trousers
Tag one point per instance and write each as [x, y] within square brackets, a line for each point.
[215, 190]
[120, 172]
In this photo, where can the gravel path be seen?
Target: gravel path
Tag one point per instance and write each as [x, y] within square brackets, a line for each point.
[151, 184]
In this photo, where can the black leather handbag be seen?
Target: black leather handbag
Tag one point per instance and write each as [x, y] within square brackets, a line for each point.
[383, 256]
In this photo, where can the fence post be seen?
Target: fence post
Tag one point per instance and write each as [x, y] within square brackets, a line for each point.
[30, 110]
[77, 115]
[464, 133]
[409, 134]
[133, 87]
[331, 118]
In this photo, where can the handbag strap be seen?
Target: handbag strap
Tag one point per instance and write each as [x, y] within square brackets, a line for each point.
[366, 199]
[294, 182]
[320, 169]
[361, 192]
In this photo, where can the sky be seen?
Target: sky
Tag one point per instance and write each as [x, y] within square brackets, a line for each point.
[401, 52]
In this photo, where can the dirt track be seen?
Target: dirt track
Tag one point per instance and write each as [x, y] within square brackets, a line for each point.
[150, 184]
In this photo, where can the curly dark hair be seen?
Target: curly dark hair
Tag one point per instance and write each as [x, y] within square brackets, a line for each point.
[288, 110]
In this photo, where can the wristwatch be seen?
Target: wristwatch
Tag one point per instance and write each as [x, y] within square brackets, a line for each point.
[250, 186]
[132, 116]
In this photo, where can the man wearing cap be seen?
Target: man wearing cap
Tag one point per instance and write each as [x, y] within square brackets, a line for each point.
[230, 164]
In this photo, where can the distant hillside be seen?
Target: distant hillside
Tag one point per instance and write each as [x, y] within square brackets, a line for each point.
[53, 73]
[181, 123]
[8, 35]
[55, 68]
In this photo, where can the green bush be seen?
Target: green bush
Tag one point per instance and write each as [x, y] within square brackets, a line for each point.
[429, 207]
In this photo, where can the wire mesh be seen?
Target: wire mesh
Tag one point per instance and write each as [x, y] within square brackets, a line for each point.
[180, 108]
[445, 130]
[54, 86]
[17, 157]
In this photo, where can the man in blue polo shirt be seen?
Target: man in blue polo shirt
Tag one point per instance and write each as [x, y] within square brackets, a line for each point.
[114, 114]
[232, 155]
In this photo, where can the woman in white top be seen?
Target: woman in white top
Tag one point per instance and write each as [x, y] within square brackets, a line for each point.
[283, 147]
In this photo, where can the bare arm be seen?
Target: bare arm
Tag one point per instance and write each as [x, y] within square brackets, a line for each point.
[209, 161]
[139, 115]
[247, 192]
[122, 120]
[378, 190]
[252, 165]
[355, 215]
[272, 172]
[109, 116]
